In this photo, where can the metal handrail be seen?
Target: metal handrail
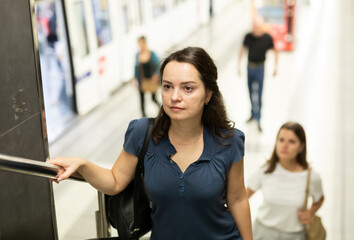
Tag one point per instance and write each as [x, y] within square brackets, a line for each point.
[43, 169]
[31, 167]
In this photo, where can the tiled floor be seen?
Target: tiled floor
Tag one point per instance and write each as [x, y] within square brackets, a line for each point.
[313, 87]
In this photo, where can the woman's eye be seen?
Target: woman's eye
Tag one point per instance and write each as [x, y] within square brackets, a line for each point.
[188, 89]
[166, 87]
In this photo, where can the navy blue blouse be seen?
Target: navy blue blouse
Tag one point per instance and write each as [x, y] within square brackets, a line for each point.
[189, 205]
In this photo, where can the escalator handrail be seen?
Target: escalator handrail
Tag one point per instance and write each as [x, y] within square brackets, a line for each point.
[32, 167]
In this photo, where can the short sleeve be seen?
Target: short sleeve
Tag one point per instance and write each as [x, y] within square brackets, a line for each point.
[155, 63]
[134, 136]
[255, 179]
[136, 71]
[239, 146]
[271, 42]
[246, 40]
[316, 186]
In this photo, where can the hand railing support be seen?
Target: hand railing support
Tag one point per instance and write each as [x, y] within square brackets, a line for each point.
[102, 225]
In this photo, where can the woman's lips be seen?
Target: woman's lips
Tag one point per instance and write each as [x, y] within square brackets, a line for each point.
[176, 109]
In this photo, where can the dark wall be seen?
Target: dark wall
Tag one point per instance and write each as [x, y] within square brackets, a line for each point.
[26, 202]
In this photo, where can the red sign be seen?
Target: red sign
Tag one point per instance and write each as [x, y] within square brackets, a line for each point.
[102, 63]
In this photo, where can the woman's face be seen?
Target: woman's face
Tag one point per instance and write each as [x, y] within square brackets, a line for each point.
[288, 145]
[183, 92]
[142, 44]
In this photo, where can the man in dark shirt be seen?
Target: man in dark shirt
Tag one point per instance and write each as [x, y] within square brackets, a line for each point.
[257, 43]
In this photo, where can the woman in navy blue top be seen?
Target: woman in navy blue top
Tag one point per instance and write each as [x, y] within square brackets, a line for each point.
[194, 162]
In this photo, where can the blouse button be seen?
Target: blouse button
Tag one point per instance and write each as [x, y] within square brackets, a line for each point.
[180, 175]
[181, 189]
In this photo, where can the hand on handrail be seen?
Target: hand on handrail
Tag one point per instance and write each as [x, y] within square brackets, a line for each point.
[67, 167]
[33, 167]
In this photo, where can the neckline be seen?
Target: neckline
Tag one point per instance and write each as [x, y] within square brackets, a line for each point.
[288, 171]
[148, 59]
[201, 136]
[208, 149]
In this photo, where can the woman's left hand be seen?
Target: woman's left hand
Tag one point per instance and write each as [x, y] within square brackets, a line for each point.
[305, 216]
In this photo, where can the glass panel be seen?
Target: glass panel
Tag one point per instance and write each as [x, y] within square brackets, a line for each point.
[177, 2]
[126, 17]
[81, 49]
[101, 15]
[132, 14]
[158, 7]
[272, 11]
[55, 67]
[140, 12]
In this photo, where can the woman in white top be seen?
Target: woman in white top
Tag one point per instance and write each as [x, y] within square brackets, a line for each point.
[282, 181]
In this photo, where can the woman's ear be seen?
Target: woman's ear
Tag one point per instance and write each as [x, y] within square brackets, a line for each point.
[209, 94]
[301, 148]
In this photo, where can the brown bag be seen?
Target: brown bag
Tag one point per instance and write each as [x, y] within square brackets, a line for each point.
[150, 84]
[315, 229]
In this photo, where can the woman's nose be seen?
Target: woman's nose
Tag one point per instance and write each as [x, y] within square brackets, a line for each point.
[282, 145]
[176, 96]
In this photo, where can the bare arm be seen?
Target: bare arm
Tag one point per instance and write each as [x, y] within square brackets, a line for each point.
[240, 54]
[237, 200]
[249, 192]
[104, 180]
[276, 56]
[305, 216]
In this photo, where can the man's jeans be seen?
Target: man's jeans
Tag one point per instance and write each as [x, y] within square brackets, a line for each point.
[255, 77]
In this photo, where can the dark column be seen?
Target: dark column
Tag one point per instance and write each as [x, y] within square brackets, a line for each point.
[26, 202]
[211, 9]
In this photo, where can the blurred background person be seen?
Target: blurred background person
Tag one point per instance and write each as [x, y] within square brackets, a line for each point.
[257, 42]
[282, 181]
[52, 37]
[146, 73]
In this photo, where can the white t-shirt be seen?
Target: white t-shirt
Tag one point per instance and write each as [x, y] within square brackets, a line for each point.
[283, 194]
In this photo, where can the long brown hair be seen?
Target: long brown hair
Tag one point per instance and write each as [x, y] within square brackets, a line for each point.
[214, 114]
[300, 158]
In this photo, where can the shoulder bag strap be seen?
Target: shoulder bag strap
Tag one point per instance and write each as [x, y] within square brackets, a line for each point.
[307, 187]
[140, 167]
